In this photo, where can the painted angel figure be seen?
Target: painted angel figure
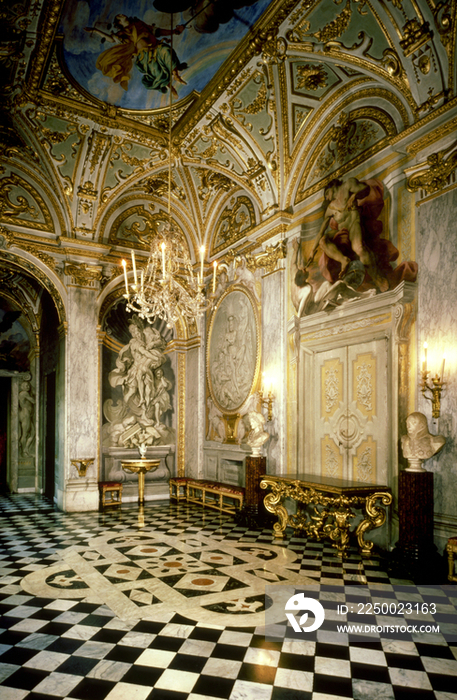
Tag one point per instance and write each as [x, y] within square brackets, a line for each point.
[139, 44]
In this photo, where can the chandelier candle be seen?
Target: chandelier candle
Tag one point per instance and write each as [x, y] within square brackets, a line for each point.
[214, 275]
[125, 277]
[134, 269]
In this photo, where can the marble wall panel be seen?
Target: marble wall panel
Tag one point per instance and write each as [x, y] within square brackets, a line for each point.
[437, 324]
[274, 341]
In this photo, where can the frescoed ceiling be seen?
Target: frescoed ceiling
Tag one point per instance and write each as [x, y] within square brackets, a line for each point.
[121, 53]
[270, 100]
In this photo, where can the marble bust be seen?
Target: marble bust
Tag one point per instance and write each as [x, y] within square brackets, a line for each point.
[419, 445]
[257, 436]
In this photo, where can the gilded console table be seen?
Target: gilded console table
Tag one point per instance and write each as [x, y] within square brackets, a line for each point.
[332, 503]
[140, 467]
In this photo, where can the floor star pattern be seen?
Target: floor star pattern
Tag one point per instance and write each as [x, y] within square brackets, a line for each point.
[82, 642]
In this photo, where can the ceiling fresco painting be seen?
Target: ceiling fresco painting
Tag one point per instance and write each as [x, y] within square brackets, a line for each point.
[120, 53]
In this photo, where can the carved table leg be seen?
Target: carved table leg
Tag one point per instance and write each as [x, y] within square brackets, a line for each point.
[338, 531]
[272, 503]
[375, 516]
[451, 551]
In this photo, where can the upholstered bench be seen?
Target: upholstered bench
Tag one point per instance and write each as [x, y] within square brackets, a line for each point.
[451, 549]
[114, 489]
[223, 497]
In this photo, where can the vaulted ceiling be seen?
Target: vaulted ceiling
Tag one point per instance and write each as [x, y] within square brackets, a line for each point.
[278, 99]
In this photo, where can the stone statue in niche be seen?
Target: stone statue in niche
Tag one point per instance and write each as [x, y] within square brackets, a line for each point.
[136, 420]
[26, 419]
[355, 261]
[419, 445]
[216, 425]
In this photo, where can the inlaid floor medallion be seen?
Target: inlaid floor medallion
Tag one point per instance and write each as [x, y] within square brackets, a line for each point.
[141, 575]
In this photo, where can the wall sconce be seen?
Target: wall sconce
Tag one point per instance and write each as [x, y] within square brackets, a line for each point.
[435, 388]
[267, 388]
[82, 464]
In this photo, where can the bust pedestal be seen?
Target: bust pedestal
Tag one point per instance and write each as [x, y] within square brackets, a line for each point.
[256, 466]
[415, 555]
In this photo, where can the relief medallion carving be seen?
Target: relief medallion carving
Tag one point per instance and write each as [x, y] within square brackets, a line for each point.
[233, 350]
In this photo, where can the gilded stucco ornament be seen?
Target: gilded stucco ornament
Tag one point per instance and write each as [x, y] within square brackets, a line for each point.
[158, 185]
[311, 76]
[88, 190]
[444, 14]
[274, 51]
[51, 13]
[211, 183]
[234, 222]
[267, 259]
[48, 260]
[436, 175]
[331, 31]
[344, 141]
[6, 237]
[82, 274]
[13, 205]
[415, 35]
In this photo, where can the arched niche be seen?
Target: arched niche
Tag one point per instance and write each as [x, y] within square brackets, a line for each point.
[142, 392]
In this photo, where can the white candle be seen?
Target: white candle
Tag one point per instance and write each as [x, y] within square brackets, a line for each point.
[163, 259]
[214, 275]
[124, 264]
[424, 363]
[134, 268]
[442, 368]
[142, 279]
[202, 257]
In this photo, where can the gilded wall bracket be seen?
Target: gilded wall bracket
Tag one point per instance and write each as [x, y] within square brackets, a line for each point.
[435, 176]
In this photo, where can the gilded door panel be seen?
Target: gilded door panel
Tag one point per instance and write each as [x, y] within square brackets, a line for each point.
[367, 406]
[331, 370]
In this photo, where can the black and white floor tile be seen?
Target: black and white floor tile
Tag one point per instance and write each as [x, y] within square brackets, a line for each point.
[166, 603]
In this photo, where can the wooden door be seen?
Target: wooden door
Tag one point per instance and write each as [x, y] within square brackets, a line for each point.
[351, 417]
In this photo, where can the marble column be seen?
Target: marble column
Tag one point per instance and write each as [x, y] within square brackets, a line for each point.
[81, 401]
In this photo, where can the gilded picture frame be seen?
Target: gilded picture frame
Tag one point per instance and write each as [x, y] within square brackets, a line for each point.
[233, 350]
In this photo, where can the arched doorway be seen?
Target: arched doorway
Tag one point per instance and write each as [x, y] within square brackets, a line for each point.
[28, 355]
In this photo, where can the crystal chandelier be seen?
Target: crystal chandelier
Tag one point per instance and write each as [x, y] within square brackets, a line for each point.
[166, 287]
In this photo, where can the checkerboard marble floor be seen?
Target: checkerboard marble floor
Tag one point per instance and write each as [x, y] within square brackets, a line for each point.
[163, 604]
